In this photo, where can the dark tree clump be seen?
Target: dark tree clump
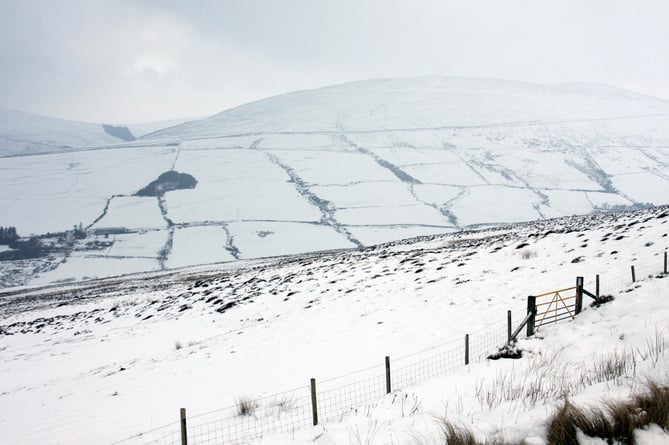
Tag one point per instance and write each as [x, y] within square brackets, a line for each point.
[8, 235]
[168, 181]
[122, 133]
[24, 249]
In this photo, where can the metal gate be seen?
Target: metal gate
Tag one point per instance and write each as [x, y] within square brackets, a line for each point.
[555, 306]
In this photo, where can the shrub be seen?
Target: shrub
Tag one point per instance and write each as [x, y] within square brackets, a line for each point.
[246, 406]
[507, 351]
[526, 254]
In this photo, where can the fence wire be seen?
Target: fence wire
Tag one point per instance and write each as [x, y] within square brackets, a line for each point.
[620, 282]
[291, 411]
[249, 419]
[429, 368]
[335, 403]
[487, 340]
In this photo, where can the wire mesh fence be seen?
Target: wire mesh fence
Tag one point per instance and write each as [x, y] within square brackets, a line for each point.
[247, 419]
[487, 340]
[425, 369]
[291, 411]
[336, 402]
[620, 282]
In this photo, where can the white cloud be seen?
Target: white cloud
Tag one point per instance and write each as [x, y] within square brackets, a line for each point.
[159, 45]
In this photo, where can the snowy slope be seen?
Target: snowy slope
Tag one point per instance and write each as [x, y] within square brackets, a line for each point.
[422, 103]
[102, 361]
[144, 128]
[342, 167]
[24, 133]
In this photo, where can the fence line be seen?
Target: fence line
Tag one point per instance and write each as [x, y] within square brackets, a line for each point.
[291, 410]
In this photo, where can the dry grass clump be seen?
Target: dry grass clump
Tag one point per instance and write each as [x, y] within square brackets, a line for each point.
[569, 419]
[549, 377]
[615, 422]
[461, 435]
[280, 405]
[611, 367]
[527, 254]
[654, 404]
[458, 435]
[246, 406]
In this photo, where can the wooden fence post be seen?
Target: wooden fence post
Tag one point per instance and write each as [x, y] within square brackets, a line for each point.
[532, 311]
[633, 274]
[579, 295]
[665, 263]
[184, 433]
[508, 326]
[597, 285]
[314, 402]
[388, 387]
[466, 349]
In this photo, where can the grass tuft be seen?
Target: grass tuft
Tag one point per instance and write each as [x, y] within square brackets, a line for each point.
[564, 425]
[615, 423]
[461, 435]
[653, 405]
[281, 405]
[373, 428]
[528, 253]
[458, 435]
[246, 406]
[613, 366]
[622, 424]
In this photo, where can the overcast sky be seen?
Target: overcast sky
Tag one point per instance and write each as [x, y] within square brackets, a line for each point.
[124, 61]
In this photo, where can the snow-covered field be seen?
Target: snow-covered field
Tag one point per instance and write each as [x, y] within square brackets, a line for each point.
[114, 359]
[51, 193]
[350, 166]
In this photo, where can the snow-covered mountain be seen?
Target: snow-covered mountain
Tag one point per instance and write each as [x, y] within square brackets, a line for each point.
[338, 167]
[24, 133]
[424, 103]
[144, 128]
[115, 359]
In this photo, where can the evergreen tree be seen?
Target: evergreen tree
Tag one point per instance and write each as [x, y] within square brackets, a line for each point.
[8, 235]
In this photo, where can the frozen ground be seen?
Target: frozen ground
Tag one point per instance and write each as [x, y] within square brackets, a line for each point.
[113, 359]
[350, 166]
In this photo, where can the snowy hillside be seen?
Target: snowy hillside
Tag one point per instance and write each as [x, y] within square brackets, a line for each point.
[144, 128]
[24, 133]
[339, 167]
[115, 359]
[423, 103]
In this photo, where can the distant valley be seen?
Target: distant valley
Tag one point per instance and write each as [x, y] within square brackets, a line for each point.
[334, 168]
